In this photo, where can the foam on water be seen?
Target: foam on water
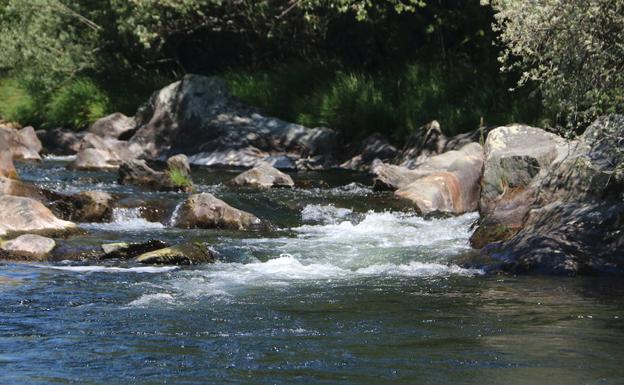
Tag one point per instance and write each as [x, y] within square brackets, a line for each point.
[125, 219]
[378, 246]
[327, 214]
[59, 158]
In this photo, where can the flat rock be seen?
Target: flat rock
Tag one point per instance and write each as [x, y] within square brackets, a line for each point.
[28, 247]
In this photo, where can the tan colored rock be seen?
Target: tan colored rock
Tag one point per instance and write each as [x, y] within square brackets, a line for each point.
[28, 247]
[93, 159]
[23, 144]
[7, 168]
[263, 176]
[451, 185]
[206, 211]
[20, 215]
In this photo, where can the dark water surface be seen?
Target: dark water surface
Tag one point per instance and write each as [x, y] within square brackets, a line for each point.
[351, 288]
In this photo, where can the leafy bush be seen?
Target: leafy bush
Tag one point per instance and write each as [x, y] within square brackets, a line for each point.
[76, 104]
[17, 105]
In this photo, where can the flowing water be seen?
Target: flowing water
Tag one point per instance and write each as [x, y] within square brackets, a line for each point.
[350, 288]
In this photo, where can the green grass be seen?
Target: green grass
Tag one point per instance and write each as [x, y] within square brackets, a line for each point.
[179, 178]
[17, 105]
[394, 103]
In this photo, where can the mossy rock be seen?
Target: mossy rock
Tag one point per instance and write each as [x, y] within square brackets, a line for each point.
[182, 254]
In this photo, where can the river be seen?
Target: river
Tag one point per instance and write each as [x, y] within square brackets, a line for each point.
[351, 287]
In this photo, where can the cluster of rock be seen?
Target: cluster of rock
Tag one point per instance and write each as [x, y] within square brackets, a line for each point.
[546, 204]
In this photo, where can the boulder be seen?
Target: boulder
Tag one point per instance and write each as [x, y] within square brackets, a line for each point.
[118, 150]
[392, 177]
[198, 116]
[180, 163]
[375, 146]
[113, 126]
[92, 159]
[25, 215]
[282, 162]
[91, 206]
[27, 247]
[18, 188]
[426, 141]
[452, 186]
[23, 144]
[182, 254]
[175, 178]
[125, 250]
[263, 176]
[7, 168]
[575, 220]
[206, 211]
[61, 142]
[517, 157]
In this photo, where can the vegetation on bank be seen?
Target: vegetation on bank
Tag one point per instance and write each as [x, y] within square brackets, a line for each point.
[354, 65]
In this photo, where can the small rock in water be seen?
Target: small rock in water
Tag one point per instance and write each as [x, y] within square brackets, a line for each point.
[263, 176]
[183, 254]
[28, 247]
[206, 211]
[123, 250]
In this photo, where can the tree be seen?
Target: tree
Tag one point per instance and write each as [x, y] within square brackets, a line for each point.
[572, 49]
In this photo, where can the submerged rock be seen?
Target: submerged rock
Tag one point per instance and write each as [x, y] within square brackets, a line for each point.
[25, 215]
[28, 247]
[206, 211]
[125, 250]
[575, 220]
[263, 176]
[183, 254]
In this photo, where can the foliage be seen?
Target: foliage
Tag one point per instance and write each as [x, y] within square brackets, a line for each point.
[179, 178]
[572, 49]
[17, 105]
[395, 103]
[76, 104]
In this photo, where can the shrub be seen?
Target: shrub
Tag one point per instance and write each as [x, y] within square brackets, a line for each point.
[76, 105]
[17, 105]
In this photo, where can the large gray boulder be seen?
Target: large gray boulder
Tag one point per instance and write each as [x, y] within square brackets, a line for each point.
[263, 176]
[27, 247]
[206, 211]
[197, 116]
[574, 225]
[25, 215]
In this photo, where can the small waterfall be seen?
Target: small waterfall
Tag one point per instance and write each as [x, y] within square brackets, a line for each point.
[175, 214]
